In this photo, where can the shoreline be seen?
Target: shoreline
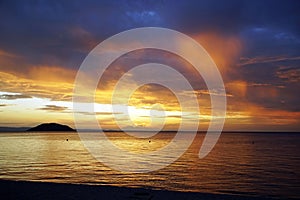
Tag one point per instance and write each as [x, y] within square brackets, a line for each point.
[45, 190]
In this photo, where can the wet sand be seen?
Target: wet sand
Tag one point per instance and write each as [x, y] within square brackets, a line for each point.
[42, 190]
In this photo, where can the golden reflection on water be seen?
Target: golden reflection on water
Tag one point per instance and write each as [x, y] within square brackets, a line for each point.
[252, 164]
[140, 145]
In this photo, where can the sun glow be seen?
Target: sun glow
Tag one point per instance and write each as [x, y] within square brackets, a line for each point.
[43, 93]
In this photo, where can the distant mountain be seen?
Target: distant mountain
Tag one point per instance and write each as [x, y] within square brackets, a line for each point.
[13, 129]
[51, 127]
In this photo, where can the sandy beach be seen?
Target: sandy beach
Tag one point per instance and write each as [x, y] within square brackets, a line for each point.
[42, 190]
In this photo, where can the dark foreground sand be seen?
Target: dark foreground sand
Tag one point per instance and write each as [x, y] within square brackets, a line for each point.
[40, 190]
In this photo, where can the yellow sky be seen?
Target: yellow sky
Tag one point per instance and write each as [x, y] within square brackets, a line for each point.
[44, 94]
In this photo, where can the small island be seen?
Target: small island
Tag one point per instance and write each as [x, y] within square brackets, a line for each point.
[51, 127]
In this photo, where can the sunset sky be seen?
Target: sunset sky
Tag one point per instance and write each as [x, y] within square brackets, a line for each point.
[255, 44]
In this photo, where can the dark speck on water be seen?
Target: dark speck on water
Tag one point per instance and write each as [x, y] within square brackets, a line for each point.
[246, 164]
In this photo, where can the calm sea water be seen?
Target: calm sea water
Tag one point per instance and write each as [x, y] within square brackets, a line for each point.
[259, 164]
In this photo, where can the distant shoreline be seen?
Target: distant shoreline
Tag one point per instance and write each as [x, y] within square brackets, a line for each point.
[46, 190]
[56, 127]
[24, 129]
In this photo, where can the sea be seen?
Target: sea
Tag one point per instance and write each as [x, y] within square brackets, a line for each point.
[241, 163]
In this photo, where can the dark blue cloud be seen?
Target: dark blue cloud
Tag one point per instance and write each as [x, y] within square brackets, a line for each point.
[63, 32]
[42, 30]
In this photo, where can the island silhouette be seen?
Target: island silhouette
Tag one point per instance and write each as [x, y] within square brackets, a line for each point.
[51, 127]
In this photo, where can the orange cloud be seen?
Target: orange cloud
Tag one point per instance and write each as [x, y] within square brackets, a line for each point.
[51, 73]
[289, 74]
[224, 50]
[40, 88]
[148, 95]
[237, 88]
[56, 83]
[258, 60]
